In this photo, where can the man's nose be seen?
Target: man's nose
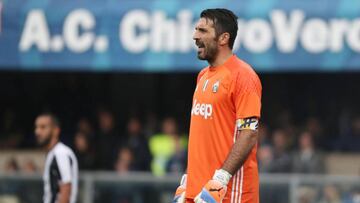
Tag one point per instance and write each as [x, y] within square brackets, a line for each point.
[195, 36]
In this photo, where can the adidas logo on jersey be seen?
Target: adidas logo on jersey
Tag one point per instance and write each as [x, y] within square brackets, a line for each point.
[204, 110]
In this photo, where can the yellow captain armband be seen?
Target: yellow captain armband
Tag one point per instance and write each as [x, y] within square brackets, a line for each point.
[247, 123]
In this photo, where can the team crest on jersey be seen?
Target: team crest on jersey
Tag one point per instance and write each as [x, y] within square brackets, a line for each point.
[215, 87]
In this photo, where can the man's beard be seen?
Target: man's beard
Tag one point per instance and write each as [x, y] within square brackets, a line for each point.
[209, 53]
[44, 142]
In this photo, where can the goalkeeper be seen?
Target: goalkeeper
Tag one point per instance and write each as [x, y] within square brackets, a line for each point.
[222, 165]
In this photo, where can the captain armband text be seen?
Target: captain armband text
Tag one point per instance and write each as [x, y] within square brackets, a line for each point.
[247, 123]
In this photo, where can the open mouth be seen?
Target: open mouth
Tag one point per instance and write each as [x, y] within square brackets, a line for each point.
[200, 46]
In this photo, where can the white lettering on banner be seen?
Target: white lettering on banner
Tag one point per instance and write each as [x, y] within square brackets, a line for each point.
[338, 29]
[204, 110]
[163, 34]
[36, 32]
[142, 31]
[133, 42]
[57, 44]
[258, 36]
[186, 29]
[156, 32]
[314, 36]
[76, 42]
[287, 33]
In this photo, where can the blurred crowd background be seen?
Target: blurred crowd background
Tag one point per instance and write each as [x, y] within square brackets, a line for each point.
[140, 122]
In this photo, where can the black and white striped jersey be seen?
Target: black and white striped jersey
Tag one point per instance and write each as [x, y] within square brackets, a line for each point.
[61, 167]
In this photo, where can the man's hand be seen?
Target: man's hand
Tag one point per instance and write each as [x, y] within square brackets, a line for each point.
[180, 191]
[214, 191]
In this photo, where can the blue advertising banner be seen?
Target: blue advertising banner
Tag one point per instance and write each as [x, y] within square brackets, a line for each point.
[156, 35]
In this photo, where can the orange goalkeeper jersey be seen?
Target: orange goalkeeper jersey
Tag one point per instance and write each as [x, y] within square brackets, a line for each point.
[223, 94]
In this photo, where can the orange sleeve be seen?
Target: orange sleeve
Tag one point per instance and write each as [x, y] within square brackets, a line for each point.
[247, 96]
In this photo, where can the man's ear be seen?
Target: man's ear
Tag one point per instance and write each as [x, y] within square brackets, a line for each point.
[224, 38]
[57, 130]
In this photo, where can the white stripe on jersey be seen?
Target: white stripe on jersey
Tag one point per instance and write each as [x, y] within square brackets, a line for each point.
[61, 166]
[241, 183]
[233, 189]
[237, 185]
[235, 177]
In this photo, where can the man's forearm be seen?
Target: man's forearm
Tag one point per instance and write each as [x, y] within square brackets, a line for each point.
[64, 193]
[246, 140]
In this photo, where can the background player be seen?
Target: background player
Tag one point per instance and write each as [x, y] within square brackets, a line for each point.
[222, 165]
[61, 167]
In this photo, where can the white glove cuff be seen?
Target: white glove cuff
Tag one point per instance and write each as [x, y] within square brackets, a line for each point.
[183, 180]
[222, 176]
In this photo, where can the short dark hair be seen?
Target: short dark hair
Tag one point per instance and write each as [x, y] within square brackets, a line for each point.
[224, 21]
[54, 119]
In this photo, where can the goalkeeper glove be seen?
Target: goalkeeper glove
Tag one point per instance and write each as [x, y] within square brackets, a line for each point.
[214, 191]
[180, 191]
